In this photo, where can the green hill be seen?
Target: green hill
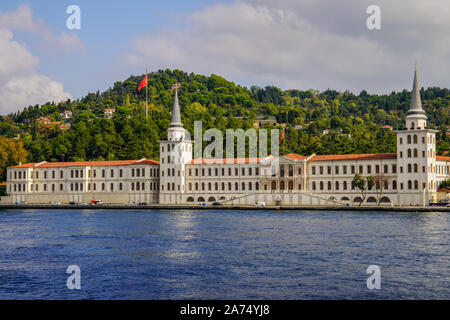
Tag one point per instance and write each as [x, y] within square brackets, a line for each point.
[354, 122]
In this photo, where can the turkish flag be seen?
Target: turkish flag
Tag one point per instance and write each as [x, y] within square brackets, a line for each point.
[282, 136]
[144, 83]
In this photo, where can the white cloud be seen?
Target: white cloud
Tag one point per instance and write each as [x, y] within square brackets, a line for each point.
[20, 83]
[30, 90]
[306, 44]
[22, 19]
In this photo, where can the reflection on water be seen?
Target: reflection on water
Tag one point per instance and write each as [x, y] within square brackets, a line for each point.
[162, 254]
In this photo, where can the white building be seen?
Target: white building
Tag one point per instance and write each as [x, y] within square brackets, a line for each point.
[409, 177]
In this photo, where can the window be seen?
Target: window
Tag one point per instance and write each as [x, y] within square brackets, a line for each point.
[415, 153]
[120, 174]
[321, 170]
[401, 140]
[377, 168]
[344, 169]
[345, 185]
[336, 169]
[112, 173]
[329, 169]
[394, 185]
[313, 170]
[353, 169]
[103, 173]
[360, 169]
[409, 153]
[394, 168]
[415, 138]
[409, 139]
[314, 185]
[369, 169]
[385, 168]
[337, 185]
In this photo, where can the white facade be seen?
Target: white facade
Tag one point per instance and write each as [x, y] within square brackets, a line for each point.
[409, 177]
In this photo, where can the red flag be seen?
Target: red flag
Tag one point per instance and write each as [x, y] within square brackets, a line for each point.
[144, 83]
[282, 136]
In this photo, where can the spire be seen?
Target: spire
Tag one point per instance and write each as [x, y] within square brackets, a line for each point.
[416, 104]
[176, 117]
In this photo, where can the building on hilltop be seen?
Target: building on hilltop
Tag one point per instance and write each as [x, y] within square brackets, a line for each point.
[409, 177]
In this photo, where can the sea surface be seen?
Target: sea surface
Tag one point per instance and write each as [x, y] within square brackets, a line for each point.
[223, 254]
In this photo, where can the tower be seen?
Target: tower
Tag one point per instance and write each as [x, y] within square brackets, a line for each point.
[175, 153]
[416, 155]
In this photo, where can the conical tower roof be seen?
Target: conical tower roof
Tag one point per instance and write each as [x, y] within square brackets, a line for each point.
[176, 117]
[415, 109]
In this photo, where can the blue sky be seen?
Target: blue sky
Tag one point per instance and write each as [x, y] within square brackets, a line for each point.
[299, 44]
[107, 29]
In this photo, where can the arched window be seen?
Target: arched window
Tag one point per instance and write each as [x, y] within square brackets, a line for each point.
[415, 167]
[415, 138]
[416, 184]
[337, 185]
[236, 186]
[329, 185]
[394, 185]
[409, 138]
[345, 185]
[282, 185]
[321, 185]
[274, 185]
[112, 186]
[314, 185]
[243, 185]
[257, 185]
[190, 188]
[409, 184]
[190, 199]
[415, 153]
[409, 153]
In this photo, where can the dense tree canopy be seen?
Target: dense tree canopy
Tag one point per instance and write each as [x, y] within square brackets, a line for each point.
[352, 123]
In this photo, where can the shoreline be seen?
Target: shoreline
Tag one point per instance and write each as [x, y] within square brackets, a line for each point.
[185, 207]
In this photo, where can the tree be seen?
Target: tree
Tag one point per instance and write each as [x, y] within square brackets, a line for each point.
[363, 184]
[11, 154]
[381, 182]
[445, 184]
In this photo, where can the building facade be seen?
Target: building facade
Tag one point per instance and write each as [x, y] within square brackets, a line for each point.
[409, 177]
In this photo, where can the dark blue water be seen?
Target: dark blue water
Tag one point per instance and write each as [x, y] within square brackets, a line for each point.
[160, 254]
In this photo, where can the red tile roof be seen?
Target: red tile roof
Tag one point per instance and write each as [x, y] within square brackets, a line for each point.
[368, 156]
[87, 163]
[442, 158]
[295, 156]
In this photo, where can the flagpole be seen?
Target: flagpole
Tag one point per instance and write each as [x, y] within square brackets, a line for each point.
[146, 97]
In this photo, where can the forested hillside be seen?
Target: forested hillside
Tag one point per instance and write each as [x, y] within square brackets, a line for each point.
[316, 122]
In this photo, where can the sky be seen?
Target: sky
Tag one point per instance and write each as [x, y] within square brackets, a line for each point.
[291, 44]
